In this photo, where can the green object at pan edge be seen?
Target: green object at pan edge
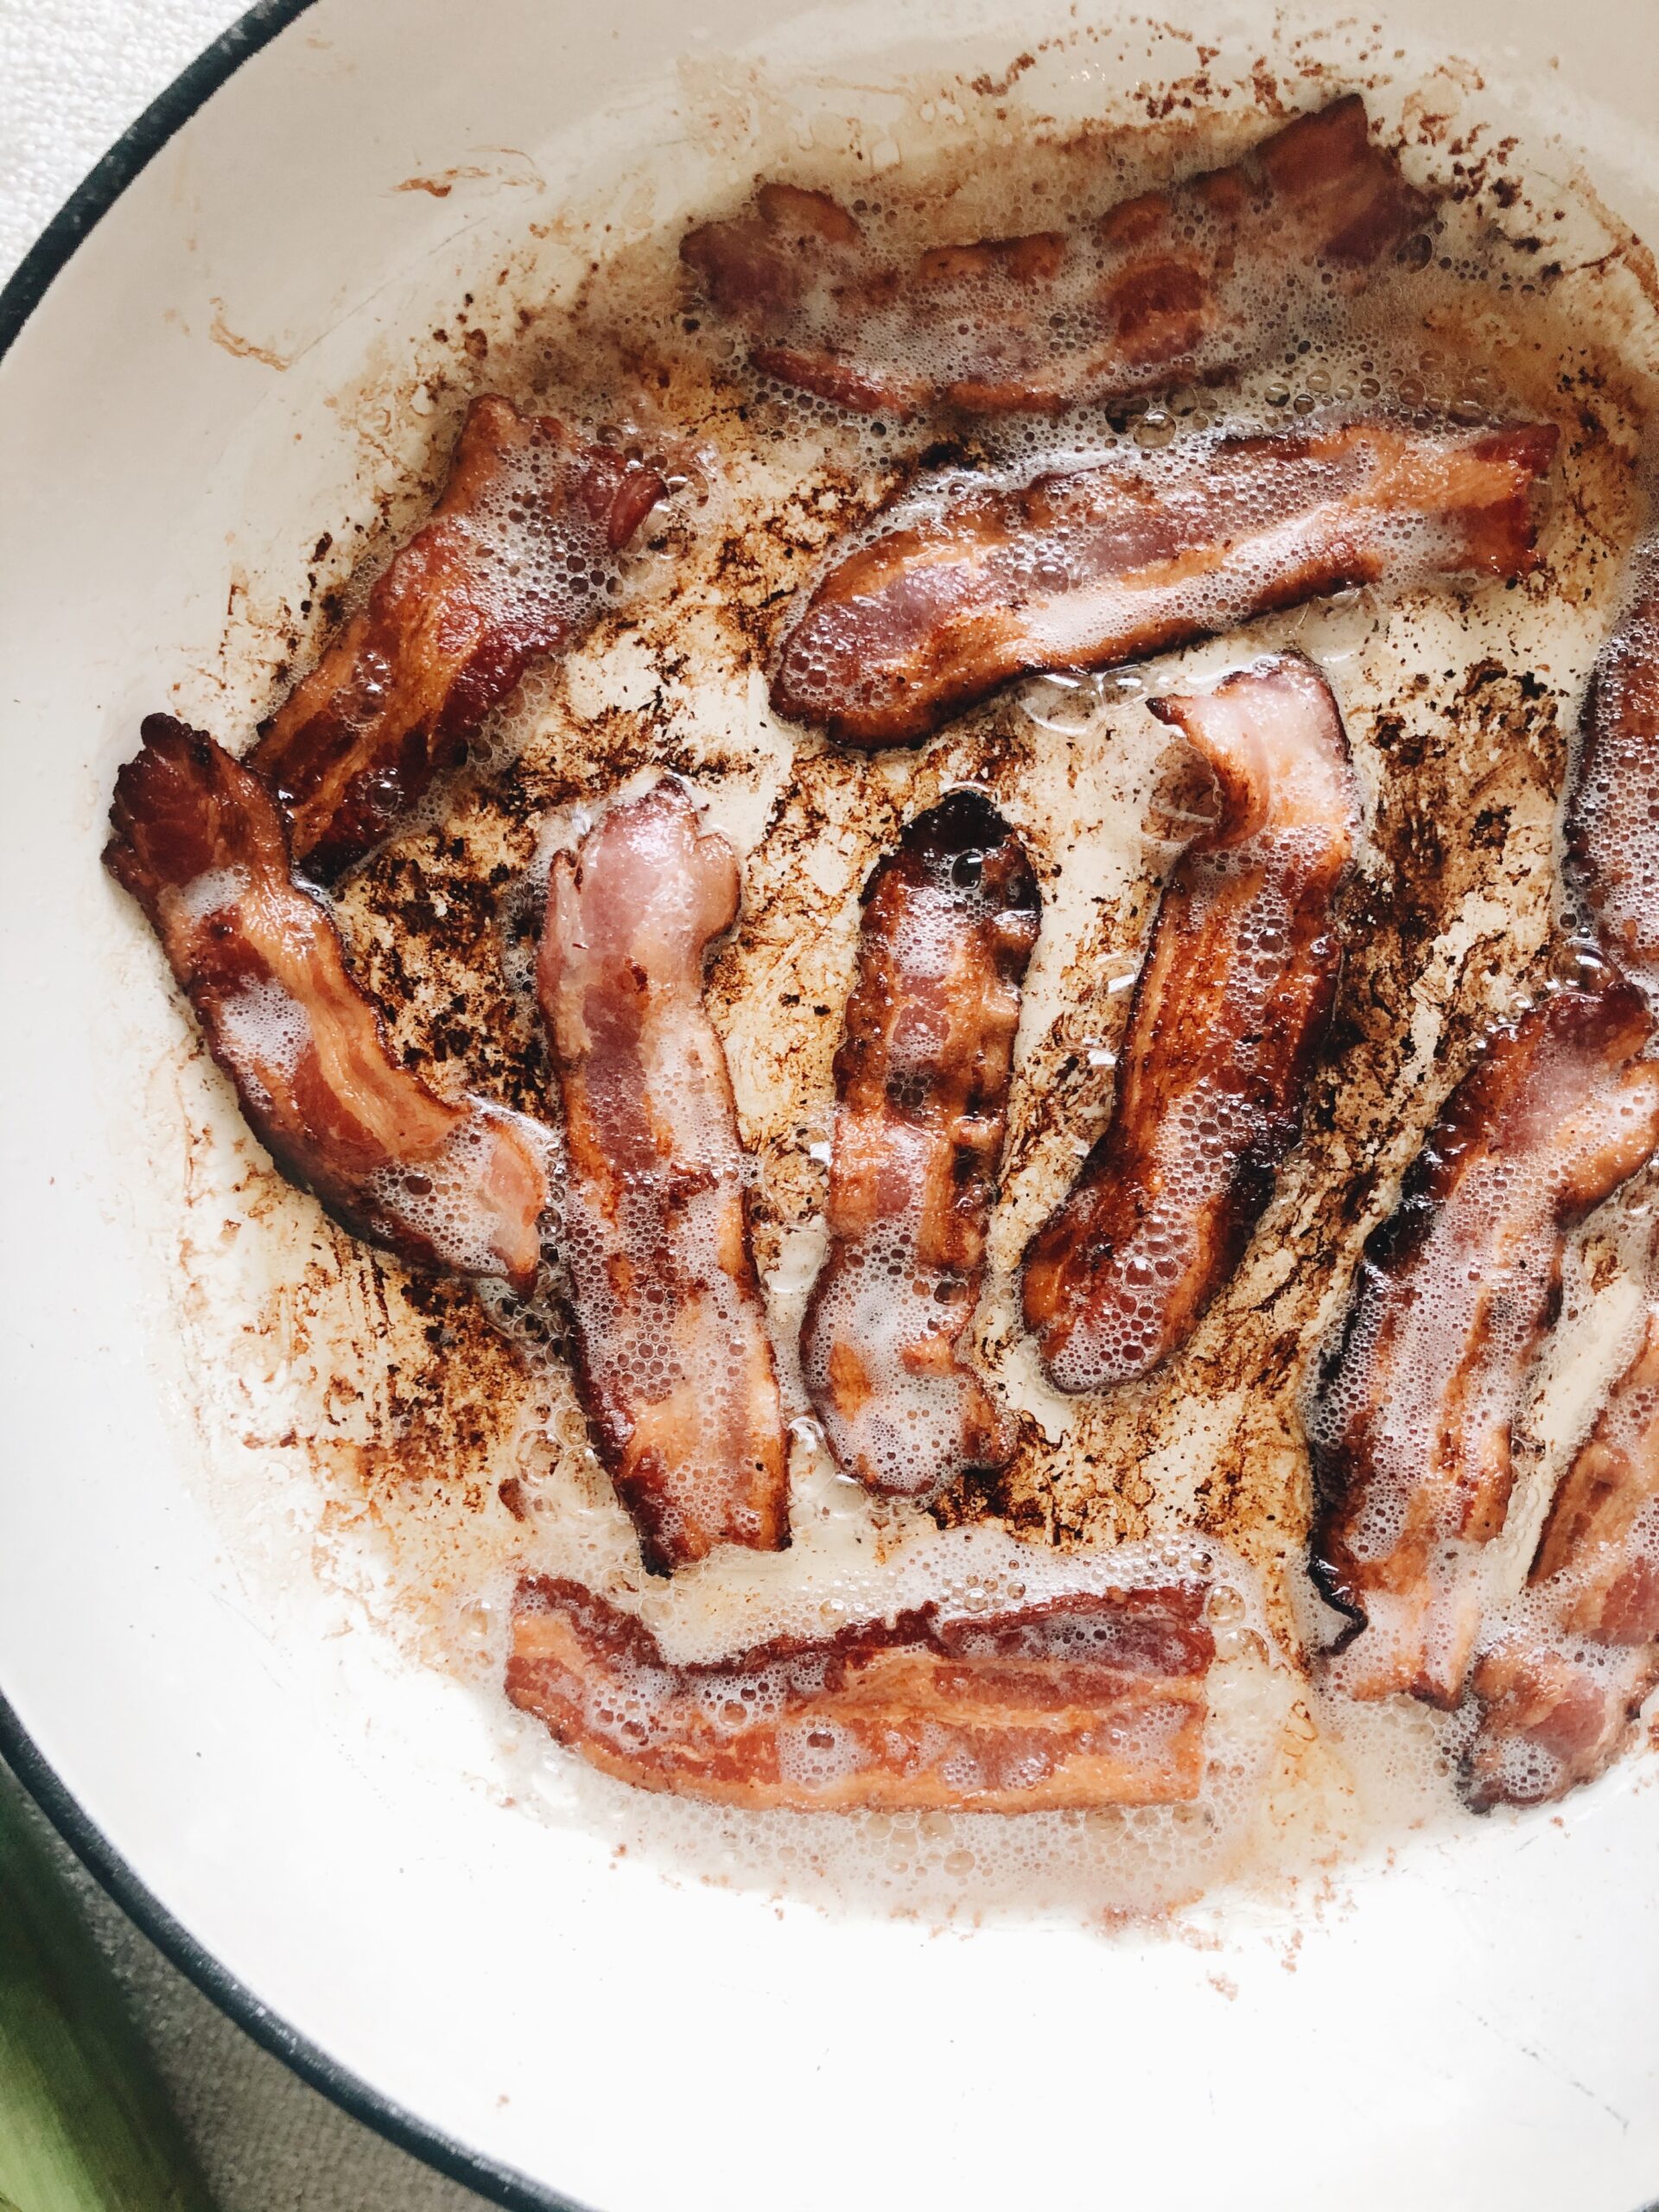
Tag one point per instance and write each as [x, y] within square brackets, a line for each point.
[84, 2124]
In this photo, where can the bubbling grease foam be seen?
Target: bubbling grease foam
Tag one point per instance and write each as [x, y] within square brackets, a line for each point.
[883, 298]
[445, 1198]
[912, 1428]
[263, 1026]
[531, 552]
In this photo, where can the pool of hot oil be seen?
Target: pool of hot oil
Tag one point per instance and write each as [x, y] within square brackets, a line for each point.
[440, 1432]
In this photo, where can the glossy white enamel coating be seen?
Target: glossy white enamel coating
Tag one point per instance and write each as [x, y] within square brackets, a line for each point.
[1472, 2028]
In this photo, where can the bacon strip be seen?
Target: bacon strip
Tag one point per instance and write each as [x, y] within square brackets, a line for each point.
[453, 1184]
[675, 1363]
[1560, 1692]
[1187, 283]
[1411, 1425]
[1612, 811]
[1229, 1010]
[1085, 1700]
[515, 564]
[973, 582]
[922, 1094]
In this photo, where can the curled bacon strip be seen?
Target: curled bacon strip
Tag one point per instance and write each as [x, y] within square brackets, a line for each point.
[973, 582]
[1559, 1692]
[1613, 811]
[674, 1363]
[514, 563]
[1411, 1424]
[1085, 1700]
[454, 1184]
[1228, 1013]
[922, 1093]
[1185, 282]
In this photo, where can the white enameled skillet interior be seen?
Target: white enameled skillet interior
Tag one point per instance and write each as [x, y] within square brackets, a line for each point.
[322, 1825]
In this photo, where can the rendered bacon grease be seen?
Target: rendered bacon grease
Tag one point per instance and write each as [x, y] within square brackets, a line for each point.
[515, 563]
[883, 1666]
[1228, 1013]
[1612, 813]
[449, 1183]
[922, 1094]
[970, 581]
[1089, 1699]
[1187, 282]
[1410, 1425]
[675, 1363]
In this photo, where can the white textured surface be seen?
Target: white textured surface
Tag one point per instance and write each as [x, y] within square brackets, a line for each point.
[74, 73]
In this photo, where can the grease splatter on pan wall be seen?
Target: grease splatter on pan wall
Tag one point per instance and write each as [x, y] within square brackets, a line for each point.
[425, 1448]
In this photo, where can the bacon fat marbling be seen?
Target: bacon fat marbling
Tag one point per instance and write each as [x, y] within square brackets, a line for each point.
[971, 581]
[1611, 831]
[1559, 1690]
[1412, 1417]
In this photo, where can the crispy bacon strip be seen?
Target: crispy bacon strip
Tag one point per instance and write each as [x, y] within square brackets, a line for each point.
[514, 563]
[440, 1182]
[1612, 811]
[1187, 283]
[1085, 1700]
[1560, 1691]
[675, 1362]
[1228, 1013]
[973, 582]
[922, 1094]
[1411, 1423]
